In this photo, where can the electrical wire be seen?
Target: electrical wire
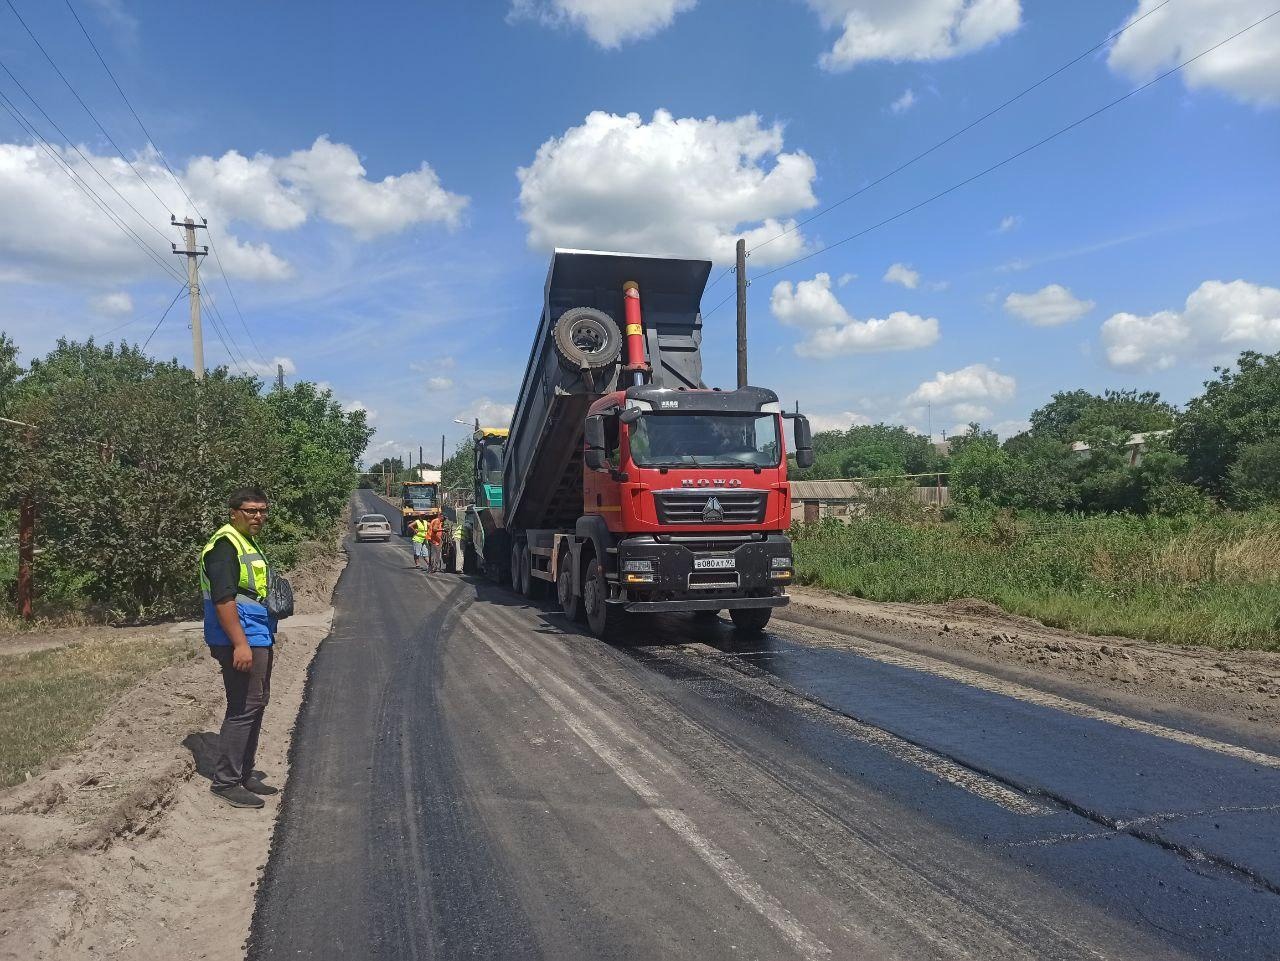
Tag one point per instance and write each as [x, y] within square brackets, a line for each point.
[1021, 153]
[164, 160]
[93, 196]
[220, 329]
[146, 342]
[946, 140]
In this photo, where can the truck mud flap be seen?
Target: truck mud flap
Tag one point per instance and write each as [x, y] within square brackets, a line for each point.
[706, 604]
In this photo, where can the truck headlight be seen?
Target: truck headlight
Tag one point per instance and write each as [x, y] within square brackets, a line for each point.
[637, 567]
[780, 563]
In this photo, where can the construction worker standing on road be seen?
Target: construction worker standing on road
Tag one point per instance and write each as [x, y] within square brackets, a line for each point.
[420, 528]
[435, 537]
[241, 634]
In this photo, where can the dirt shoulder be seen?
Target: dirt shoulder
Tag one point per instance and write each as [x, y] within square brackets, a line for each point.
[118, 849]
[1236, 685]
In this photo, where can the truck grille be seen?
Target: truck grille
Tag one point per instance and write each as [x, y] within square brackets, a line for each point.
[707, 506]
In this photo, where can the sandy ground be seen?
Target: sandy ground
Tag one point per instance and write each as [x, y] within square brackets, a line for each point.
[1239, 685]
[119, 850]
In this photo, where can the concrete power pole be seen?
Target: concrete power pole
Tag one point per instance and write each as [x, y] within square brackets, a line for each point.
[193, 253]
[742, 312]
[280, 377]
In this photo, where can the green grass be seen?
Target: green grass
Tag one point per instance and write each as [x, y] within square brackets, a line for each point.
[1186, 580]
[50, 699]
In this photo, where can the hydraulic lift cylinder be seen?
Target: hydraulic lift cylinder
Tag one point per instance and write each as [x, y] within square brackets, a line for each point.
[635, 331]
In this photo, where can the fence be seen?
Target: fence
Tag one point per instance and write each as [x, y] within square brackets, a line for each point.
[850, 498]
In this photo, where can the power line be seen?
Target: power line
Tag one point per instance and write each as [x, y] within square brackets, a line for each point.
[94, 197]
[164, 160]
[946, 140]
[218, 328]
[163, 316]
[1024, 151]
[80, 100]
[71, 143]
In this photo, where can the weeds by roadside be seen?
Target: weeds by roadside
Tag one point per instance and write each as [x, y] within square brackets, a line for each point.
[1212, 580]
[50, 699]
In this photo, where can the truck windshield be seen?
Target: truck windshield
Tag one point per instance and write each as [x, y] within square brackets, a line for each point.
[705, 440]
[424, 496]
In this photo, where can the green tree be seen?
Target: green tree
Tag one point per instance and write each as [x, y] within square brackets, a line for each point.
[1255, 476]
[1071, 415]
[1237, 410]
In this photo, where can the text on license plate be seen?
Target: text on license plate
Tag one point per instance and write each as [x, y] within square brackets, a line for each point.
[713, 563]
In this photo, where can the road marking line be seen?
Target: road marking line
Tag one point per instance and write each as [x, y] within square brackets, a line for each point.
[903, 750]
[738, 881]
[886, 654]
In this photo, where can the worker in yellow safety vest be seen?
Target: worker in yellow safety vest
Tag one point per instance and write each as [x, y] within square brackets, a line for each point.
[421, 530]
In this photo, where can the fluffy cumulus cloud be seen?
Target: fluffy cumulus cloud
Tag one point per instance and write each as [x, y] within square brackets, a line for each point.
[679, 186]
[841, 421]
[905, 102]
[115, 304]
[267, 369]
[610, 23]
[1048, 306]
[899, 30]
[832, 331]
[904, 275]
[968, 412]
[52, 229]
[1218, 318]
[977, 382]
[1248, 68]
[1011, 428]
[488, 412]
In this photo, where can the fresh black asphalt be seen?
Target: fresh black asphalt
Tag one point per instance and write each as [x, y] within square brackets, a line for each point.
[473, 777]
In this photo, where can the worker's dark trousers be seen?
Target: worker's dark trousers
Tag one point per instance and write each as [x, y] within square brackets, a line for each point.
[247, 696]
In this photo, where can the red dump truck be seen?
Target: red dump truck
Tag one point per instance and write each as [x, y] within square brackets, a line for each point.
[628, 484]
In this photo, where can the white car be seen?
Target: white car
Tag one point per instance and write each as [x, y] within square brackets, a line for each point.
[373, 527]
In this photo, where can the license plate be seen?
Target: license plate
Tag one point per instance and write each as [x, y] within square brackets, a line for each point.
[713, 563]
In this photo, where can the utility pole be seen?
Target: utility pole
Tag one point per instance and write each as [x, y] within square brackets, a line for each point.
[742, 312]
[26, 554]
[280, 377]
[442, 451]
[420, 455]
[192, 253]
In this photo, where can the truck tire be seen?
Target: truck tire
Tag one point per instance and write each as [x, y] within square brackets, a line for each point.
[469, 564]
[516, 557]
[751, 619]
[570, 602]
[449, 556]
[587, 338]
[603, 619]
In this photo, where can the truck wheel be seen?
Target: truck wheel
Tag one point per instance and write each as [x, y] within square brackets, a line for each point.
[587, 338]
[516, 558]
[602, 618]
[570, 603]
[530, 586]
[752, 619]
[468, 559]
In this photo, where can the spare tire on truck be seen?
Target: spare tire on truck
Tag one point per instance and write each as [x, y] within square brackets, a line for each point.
[586, 339]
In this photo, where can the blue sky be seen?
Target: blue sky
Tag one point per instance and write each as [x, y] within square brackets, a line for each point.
[1137, 250]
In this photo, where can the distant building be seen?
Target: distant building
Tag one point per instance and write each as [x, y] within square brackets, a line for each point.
[1135, 447]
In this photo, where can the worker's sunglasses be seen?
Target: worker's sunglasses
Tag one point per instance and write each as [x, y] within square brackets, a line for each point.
[254, 511]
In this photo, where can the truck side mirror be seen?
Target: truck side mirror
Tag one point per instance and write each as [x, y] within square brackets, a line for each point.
[804, 442]
[593, 431]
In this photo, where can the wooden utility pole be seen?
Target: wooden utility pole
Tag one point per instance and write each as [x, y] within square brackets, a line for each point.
[280, 377]
[26, 555]
[742, 312]
[193, 255]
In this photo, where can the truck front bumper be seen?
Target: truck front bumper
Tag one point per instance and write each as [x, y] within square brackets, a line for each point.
[658, 574]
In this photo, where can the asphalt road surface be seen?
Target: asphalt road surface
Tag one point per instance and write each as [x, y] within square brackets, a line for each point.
[473, 777]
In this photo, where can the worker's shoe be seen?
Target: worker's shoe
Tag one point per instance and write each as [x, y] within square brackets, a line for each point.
[237, 796]
[253, 783]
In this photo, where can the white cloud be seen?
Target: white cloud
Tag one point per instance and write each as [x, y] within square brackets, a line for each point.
[811, 305]
[680, 186]
[439, 383]
[116, 304]
[1248, 68]
[1011, 428]
[977, 382]
[1048, 306]
[1218, 318]
[904, 275]
[267, 369]
[846, 279]
[905, 102]
[970, 412]
[247, 261]
[489, 413]
[1011, 222]
[898, 30]
[609, 23]
[841, 421]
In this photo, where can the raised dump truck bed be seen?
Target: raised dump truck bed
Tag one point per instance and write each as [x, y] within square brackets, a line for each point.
[574, 364]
